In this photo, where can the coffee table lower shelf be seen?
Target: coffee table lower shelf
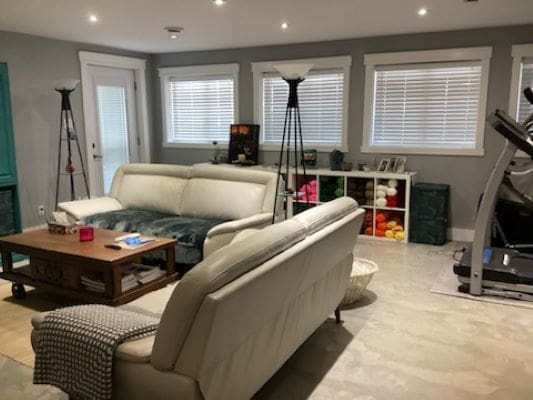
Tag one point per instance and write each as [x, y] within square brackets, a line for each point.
[23, 276]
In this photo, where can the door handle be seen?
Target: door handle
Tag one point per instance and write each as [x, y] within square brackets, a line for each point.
[97, 157]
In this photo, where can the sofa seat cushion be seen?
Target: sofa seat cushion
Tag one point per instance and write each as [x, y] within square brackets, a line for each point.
[190, 232]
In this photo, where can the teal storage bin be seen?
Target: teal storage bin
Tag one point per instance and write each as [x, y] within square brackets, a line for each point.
[429, 213]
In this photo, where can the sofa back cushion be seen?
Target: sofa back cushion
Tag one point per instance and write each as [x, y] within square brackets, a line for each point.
[227, 192]
[151, 187]
[316, 218]
[214, 272]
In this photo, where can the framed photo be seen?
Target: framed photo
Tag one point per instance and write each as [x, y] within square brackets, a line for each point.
[243, 144]
[400, 165]
[384, 165]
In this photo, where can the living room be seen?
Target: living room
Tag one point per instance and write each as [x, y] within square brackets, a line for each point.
[398, 116]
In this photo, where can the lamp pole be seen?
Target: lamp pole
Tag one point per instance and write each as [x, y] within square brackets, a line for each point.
[293, 74]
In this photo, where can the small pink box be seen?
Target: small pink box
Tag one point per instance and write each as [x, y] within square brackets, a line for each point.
[86, 233]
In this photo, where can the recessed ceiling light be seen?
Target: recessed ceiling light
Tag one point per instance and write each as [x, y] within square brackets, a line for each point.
[93, 18]
[219, 2]
[423, 11]
[173, 31]
[284, 25]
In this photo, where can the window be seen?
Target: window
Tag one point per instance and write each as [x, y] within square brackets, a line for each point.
[199, 104]
[519, 107]
[428, 102]
[323, 98]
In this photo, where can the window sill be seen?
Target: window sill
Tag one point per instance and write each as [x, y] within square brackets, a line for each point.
[199, 146]
[423, 151]
[320, 149]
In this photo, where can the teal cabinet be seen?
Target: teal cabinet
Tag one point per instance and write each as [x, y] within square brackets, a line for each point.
[9, 202]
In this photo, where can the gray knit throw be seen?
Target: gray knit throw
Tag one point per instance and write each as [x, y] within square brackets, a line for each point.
[76, 346]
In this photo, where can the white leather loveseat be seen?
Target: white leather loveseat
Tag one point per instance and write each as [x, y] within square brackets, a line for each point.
[202, 206]
[236, 317]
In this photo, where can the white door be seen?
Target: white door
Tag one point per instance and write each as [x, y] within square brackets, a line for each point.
[115, 140]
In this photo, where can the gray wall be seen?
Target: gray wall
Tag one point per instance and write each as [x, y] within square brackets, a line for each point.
[35, 64]
[466, 175]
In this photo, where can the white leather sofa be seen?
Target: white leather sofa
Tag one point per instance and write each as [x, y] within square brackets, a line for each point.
[206, 201]
[236, 317]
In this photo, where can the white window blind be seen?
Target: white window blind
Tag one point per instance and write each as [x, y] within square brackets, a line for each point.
[320, 98]
[526, 79]
[200, 109]
[426, 106]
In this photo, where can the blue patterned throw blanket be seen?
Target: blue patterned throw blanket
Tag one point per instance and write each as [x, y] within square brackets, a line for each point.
[76, 346]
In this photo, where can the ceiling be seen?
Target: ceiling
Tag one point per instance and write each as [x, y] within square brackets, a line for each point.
[138, 24]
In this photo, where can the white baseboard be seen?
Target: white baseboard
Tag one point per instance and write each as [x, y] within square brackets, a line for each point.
[461, 235]
[35, 228]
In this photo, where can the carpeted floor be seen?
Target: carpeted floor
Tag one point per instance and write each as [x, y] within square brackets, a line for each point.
[402, 341]
[16, 383]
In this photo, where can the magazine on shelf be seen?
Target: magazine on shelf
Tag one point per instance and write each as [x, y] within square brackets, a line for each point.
[132, 276]
[96, 284]
[144, 273]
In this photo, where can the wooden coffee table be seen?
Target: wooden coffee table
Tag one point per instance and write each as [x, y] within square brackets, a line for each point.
[57, 262]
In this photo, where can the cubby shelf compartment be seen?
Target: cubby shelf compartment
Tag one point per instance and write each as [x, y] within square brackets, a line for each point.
[361, 186]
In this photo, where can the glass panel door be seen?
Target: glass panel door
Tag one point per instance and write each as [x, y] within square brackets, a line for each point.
[113, 123]
[115, 143]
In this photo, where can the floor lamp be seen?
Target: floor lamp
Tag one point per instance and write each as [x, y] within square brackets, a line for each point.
[293, 74]
[68, 135]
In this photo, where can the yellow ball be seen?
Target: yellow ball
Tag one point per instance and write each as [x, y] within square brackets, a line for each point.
[389, 234]
[391, 224]
[399, 236]
[398, 228]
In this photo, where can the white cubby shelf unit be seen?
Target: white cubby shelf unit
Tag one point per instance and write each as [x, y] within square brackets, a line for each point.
[362, 186]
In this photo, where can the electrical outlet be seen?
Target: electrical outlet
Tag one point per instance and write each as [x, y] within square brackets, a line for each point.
[40, 209]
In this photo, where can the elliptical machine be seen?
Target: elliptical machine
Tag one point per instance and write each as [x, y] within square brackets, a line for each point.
[492, 270]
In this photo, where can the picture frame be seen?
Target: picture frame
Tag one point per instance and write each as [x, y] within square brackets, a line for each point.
[243, 144]
[400, 165]
[384, 165]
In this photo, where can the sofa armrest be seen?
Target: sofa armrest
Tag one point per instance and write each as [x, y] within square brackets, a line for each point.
[255, 221]
[135, 351]
[80, 209]
[221, 235]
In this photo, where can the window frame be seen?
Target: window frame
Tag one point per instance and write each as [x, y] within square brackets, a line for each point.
[192, 71]
[322, 63]
[518, 52]
[371, 61]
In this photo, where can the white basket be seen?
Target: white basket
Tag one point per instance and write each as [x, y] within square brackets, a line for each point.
[362, 273]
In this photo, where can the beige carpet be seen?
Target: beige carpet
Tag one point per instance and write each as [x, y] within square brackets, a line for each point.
[15, 317]
[447, 284]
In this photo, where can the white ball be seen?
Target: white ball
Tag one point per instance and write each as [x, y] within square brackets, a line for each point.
[380, 194]
[381, 187]
[381, 202]
[392, 183]
[392, 191]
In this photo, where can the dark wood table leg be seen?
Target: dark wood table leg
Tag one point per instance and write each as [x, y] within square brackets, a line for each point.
[117, 281]
[171, 267]
[7, 261]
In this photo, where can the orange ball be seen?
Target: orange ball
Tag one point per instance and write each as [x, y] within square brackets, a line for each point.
[380, 217]
[382, 226]
[368, 231]
[380, 232]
